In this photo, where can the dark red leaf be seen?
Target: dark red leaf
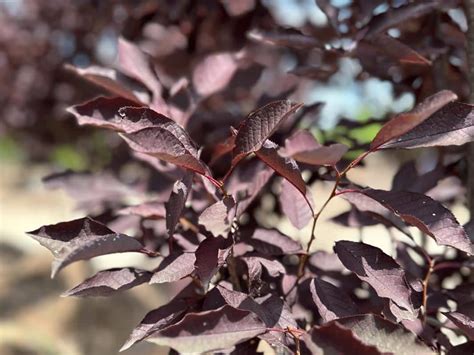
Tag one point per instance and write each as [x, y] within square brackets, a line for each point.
[303, 147]
[430, 216]
[108, 282]
[378, 269]
[405, 122]
[174, 267]
[298, 208]
[138, 65]
[214, 73]
[286, 167]
[398, 50]
[248, 181]
[210, 256]
[333, 338]
[451, 125]
[260, 125]
[210, 331]
[82, 239]
[332, 302]
[463, 322]
[409, 179]
[395, 16]
[156, 320]
[111, 80]
[386, 336]
[216, 219]
[272, 242]
[150, 210]
[91, 191]
[175, 205]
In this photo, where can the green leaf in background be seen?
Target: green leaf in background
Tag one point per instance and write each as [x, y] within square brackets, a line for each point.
[68, 157]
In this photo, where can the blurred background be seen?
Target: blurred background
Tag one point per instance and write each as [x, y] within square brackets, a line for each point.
[38, 137]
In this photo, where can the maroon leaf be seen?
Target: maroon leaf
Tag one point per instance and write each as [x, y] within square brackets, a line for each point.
[89, 190]
[248, 181]
[333, 338]
[303, 147]
[298, 208]
[255, 263]
[214, 73]
[324, 261]
[175, 205]
[386, 336]
[465, 348]
[272, 242]
[430, 216]
[409, 179]
[451, 125]
[355, 219]
[260, 125]
[108, 282]
[210, 331]
[286, 167]
[81, 239]
[156, 320]
[149, 210]
[138, 65]
[463, 322]
[104, 112]
[331, 301]
[395, 16]
[404, 122]
[174, 267]
[398, 50]
[378, 269]
[215, 218]
[210, 256]
[110, 80]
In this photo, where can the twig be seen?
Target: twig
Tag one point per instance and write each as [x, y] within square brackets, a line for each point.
[425, 289]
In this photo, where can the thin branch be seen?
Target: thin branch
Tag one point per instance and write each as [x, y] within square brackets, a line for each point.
[426, 281]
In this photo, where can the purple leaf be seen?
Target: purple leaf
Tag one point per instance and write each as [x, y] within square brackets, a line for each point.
[175, 205]
[331, 301]
[430, 216]
[156, 320]
[386, 336]
[138, 65]
[166, 140]
[402, 14]
[174, 267]
[355, 219]
[378, 269]
[451, 125]
[463, 349]
[333, 338]
[303, 147]
[272, 242]
[298, 208]
[104, 112]
[91, 191]
[215, 218]
[286, 167]
[260, 125]
[214, 73]
[82, 239]
[397, 50]
[408, 179]
[405, 122]
[324, 261]
[248, 179]
[108, 282]
[110, 80]
[210, 256]
[149, 210]
[210, 331]
[463, 322]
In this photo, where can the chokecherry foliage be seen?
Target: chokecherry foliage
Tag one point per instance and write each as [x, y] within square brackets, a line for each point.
[247, 281]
